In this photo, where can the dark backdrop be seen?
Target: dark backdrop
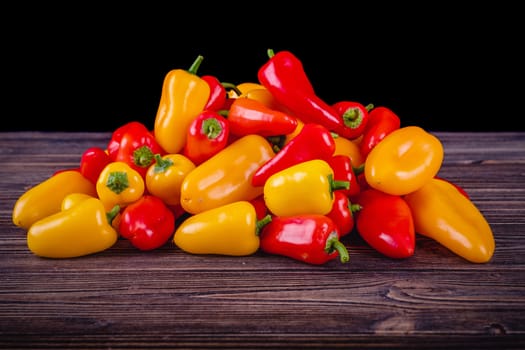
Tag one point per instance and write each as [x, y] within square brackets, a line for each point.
[437, 66]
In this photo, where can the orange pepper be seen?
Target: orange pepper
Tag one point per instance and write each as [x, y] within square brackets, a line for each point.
[404, 160]
[442, 212]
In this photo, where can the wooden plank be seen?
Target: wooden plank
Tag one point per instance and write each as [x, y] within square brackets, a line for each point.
[123, 297]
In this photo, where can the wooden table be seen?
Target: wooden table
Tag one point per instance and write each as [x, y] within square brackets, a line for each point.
[125, 298]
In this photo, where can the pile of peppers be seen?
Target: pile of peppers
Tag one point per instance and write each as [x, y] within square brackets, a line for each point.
[266, 166]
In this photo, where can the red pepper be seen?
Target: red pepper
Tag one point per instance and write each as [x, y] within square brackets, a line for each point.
[260, 207]
[314, 141]
[344, 171]
[355, 116]
[381, 122]
[249, 116]
[218, 94]
[284, 76]
[135, 145]
[148, 223]
[207, 135]
[342, 213]
[385, 222]
[312, 238]
[92, 161]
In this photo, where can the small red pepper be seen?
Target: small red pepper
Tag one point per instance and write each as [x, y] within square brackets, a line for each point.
[344, 171]
[342, 213]
[207, 135]
[381, 122]
[385, 222]
[135, 145]
[314, 141]
[249, 116]
[260, 207]
[148, 223]
[218, 93]
[312, 238]
[284, 76]
[92, 161]
[355, 116]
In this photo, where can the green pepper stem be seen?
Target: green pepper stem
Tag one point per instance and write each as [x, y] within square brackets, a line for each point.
[196, 64]
[261, 223]
[112, 214]
[162, 164]
[270, 53]
[337, 184]
[232, 86]
[333, 243]
[358, 169]
[143, 156]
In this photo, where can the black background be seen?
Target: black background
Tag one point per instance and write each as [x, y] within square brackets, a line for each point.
[93, 69]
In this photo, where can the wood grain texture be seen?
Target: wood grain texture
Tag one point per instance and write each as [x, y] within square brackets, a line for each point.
[125, 298]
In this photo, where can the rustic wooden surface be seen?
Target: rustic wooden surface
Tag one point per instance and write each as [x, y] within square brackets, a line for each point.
[124, 298]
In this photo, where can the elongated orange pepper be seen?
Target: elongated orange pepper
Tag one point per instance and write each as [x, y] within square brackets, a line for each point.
[443, 213]
[46, 197]
[226, 177]
[184, 95]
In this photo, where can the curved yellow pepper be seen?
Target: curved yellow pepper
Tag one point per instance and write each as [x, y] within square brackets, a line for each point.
[226, 177]
[46, 197]
[184, 95]
[304, 188]
[404, 160]
[230, 229]
[80, 230]
[119, 184]
[443, 213]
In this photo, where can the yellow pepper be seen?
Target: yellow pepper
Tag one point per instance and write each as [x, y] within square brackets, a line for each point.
[349, 148]
[404, 160]
[82, 229]
[443, 213]
[244, 88]
[164, 177]
[304, 188]
[231, 229]
[226, 177]
[73, 199]
[46, 197]
[119, 184]
[184, 95]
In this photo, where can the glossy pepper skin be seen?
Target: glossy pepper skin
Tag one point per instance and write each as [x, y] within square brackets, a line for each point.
[386, 223]
[355, 116]
[45, 198]
[184, 95]
[248, 116]
[134, 144]
[349, 148]
[342, 213]
[314, 141]
[404, 160]
[344, 171]
[231, 229]
[284, 76]
[208, 133]
[92, 161]
[443, 213]
[164, 178]
[226, 177]
[147, 223]
[309, 238]
[119, 184]
[304, 188]
[83, 229]
[381, 122]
